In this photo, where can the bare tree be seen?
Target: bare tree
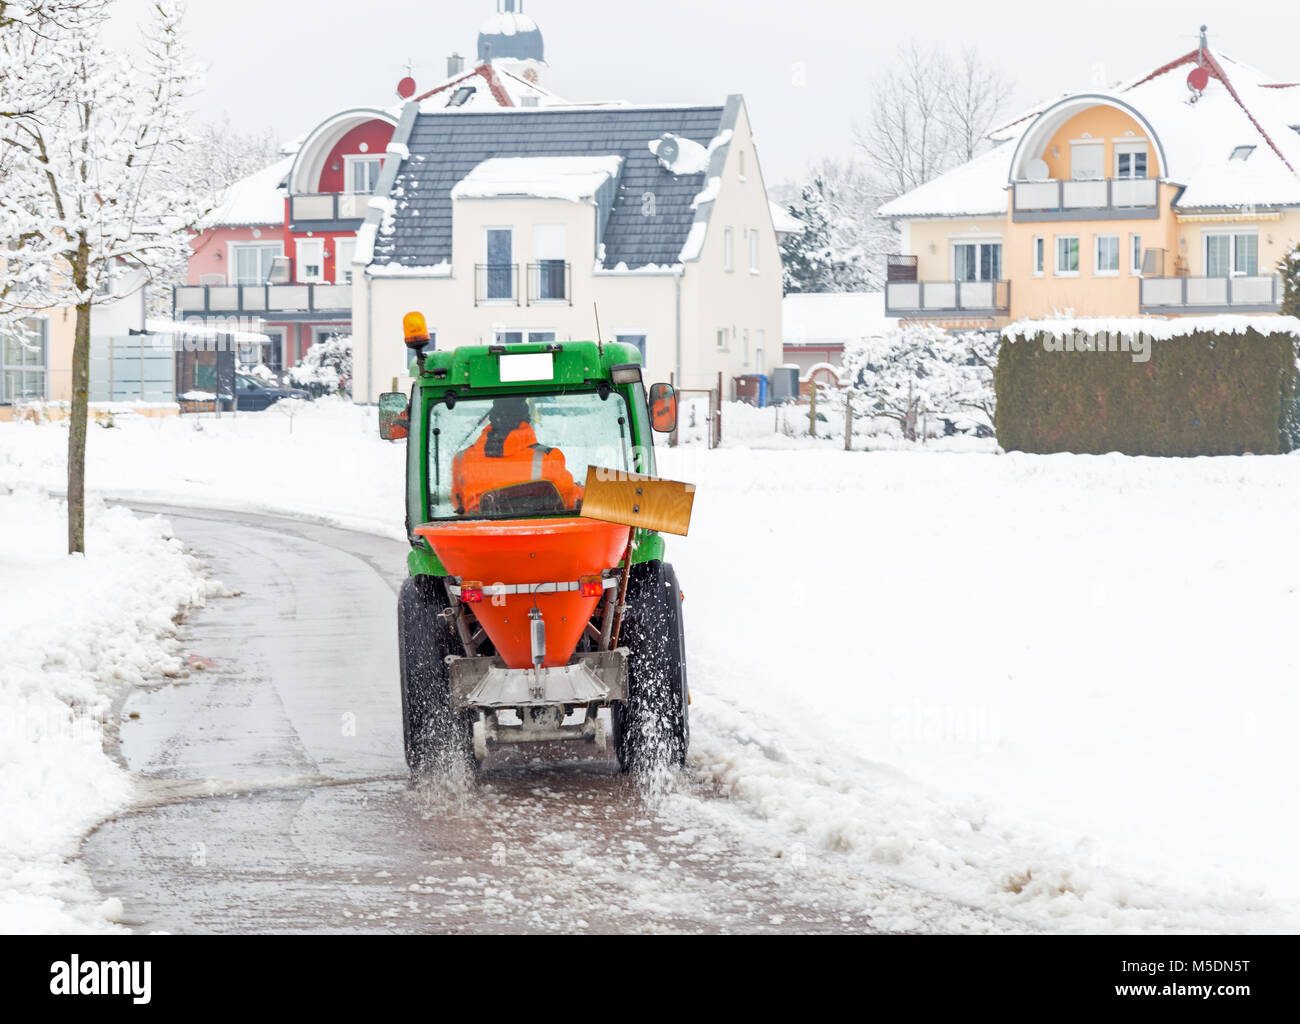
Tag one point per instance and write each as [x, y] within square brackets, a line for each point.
[929, 113]
[976, 93]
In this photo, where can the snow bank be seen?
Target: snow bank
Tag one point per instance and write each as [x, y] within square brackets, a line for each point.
[74, 631]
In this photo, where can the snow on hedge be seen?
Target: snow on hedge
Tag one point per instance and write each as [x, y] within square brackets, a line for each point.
[75, 631]
[1157, 328]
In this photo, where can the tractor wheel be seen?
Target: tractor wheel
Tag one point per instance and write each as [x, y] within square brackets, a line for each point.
[436, 738]
[652, 728]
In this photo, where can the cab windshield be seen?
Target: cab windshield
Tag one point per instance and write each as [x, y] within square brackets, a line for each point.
[515, 455]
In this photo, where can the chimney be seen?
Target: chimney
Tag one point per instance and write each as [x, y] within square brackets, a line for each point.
[455, 65]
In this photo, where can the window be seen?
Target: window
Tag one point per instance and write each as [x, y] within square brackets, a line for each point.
[549, 281]
[634, 338]
[1087, 160]
[311, 260]
[1232, 254]
[252, 263]
[461, 96]
[722, 339]
[524, 335]
[362, 173]
[977, 261]
[499, 243]
[728, 249]
[760, 344]
[753, 250]
[742, 165]
[1130, 159]
[1242, 153]
[1135, 254]
[1106, 255]
[1040, 255]
[345, 249]
[744, 351]
[23, 369]
[582, 427]
[1067, 255]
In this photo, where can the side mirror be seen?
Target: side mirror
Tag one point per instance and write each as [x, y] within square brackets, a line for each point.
[663, 408]
[394, 416]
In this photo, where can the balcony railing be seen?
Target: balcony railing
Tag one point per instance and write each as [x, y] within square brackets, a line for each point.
[496, 283]
[1085, 199]
[549, 281]
[294, 301]
[1256, 294]
[947, 298]
[327, 206]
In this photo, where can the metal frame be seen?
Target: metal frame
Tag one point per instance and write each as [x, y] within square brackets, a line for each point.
[267, 310]
[1275, 306]
[1001, 296]
[534, 279]
[1062, 212]
[481, 272]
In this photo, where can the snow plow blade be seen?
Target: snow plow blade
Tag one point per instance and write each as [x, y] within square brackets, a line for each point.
[644, 502]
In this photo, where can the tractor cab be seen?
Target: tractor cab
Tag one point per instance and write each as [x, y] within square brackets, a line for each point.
[538, 596]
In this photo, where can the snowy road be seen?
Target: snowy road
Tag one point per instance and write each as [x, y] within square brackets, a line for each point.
[273, 794]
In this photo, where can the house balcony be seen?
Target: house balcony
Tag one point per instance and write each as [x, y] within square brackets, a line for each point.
[1086, 199]
[328, 211]
[925, 299]
[1182, 295]
[276, 302]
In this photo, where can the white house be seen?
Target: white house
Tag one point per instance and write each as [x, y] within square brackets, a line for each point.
[523, 225]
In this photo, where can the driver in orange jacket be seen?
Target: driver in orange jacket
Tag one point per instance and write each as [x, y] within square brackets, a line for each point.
[507, 453]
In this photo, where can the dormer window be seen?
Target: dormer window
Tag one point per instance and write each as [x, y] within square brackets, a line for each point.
[362, 173]
[461, 96]
[1242, 153]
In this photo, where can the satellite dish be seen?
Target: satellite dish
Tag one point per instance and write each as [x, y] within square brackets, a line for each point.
[1037, 170]
[667, 150]
[1197, 79]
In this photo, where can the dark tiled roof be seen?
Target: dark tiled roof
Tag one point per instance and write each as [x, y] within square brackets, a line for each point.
[446, 147]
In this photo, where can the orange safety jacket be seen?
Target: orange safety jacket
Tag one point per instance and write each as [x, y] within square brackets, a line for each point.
[474, 473]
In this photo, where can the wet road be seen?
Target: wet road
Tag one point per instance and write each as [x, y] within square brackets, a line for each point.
[273, 794]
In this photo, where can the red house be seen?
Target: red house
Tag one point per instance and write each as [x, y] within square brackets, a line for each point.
[279, 248]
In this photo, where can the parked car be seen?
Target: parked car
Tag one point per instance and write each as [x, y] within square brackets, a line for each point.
[252, 395]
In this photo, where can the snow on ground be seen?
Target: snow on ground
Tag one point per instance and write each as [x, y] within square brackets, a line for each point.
[1057, 687]
[73, 632]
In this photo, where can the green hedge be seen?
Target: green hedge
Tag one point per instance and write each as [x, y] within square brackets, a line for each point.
[1199, 394]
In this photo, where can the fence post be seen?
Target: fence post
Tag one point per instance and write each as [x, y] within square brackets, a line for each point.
[812, 407]
[672, 434]
[718, 423]
[848, 420]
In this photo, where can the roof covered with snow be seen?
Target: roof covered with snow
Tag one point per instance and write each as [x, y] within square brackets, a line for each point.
[977, 188]
[446, 148]
[256, 200]
[1240, 107]
[833, 318]
[541, 177]
[488, 86]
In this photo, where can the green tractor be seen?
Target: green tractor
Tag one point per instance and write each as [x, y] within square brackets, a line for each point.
[539, 606]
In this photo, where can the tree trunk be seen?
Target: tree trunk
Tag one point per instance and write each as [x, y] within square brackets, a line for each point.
[80, 412]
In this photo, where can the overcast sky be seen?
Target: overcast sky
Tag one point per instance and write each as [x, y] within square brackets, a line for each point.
[283, 66]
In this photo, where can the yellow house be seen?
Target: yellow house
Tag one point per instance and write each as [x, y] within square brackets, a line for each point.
[1174, 194]
[40, 369]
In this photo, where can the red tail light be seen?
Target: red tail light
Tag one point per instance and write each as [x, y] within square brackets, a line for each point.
[591, 586]
[471, 593]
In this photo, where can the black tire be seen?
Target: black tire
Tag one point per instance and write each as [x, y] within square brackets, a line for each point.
[652, 728]
[436, 738]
